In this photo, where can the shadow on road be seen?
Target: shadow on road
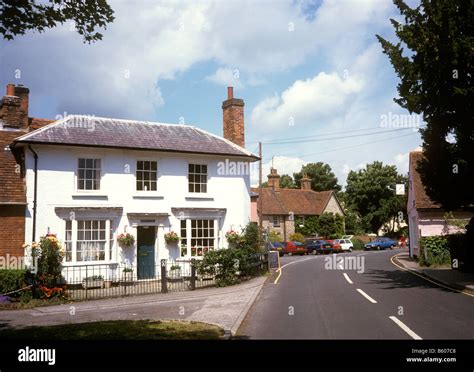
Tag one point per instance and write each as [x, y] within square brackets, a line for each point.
[400, 279]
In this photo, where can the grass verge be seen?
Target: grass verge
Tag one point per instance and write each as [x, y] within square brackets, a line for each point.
[117, 330]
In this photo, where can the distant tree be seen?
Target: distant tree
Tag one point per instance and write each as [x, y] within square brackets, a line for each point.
[436, 80]
[371, 193]
[286, 182]
[19, 16]
[321, 175]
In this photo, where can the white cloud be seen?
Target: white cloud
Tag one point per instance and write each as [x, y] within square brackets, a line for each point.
[226, 77]
[283, 164]
[401, 161]
[306, 100]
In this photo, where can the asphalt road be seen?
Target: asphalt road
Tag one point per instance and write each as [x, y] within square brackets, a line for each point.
[313, 301]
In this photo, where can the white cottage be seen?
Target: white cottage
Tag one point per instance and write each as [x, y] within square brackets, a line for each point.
[90, 179]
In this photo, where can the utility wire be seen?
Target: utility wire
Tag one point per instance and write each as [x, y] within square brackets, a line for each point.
[349, 147]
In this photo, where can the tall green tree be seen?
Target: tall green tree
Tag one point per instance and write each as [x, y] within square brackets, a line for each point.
[286, 182]
[436, 73]
[19, 16]
[371, 193]
[321, 175]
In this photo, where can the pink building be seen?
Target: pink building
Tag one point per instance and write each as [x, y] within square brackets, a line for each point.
[425, 218]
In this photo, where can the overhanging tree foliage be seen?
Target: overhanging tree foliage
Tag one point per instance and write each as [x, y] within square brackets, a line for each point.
[19, 16]
[436, 75]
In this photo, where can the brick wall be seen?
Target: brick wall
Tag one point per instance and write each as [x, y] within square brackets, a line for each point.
[12, 230]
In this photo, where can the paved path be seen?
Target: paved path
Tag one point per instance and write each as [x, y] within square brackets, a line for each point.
[311, 301]
[225, 307]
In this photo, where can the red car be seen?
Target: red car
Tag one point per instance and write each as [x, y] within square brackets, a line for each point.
[291, 248]
[337, 248]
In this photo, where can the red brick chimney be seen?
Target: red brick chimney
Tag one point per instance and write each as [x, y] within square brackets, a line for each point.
[14, 107]
[274, 179]
[233, 110]
[305, 182]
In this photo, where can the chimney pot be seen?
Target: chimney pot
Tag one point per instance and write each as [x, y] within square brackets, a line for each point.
[10, 89]
[230, 92]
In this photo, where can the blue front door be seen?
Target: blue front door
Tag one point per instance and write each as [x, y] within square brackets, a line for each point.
[146, 236]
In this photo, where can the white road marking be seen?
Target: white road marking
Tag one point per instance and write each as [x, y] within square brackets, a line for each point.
[362, 254]
[347, 278]
[366, 296]
[405, 328]
[288, 264]
[425, 278]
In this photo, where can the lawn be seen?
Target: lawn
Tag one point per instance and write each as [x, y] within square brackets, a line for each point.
[118, 330]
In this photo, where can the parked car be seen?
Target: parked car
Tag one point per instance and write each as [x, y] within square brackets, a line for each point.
[276, 246]
[336, 247]
[346, 244]
[380, 243]
[292, 248]
[319, 246]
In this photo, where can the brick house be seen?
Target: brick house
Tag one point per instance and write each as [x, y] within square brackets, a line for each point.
[281, 207]
[425, 217]
[14, 122]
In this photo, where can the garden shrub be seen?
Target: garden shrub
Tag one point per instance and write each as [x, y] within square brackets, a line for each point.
[437, 251]
[462, 251]
[274, 236]
[11, 280]
[297, 237]
[357, 244]
[49, 279]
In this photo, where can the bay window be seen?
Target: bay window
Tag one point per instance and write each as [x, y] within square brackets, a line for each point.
[88, 240]
[198, 236]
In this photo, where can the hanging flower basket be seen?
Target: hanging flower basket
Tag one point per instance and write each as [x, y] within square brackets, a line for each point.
[171, 237]
[126, 239]
[233, 237]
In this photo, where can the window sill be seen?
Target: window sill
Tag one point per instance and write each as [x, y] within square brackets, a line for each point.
[198, 196]
[89, 194]
[147, 196]
[89, 263]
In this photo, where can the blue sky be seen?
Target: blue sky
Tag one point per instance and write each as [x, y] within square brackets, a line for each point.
[303, 68]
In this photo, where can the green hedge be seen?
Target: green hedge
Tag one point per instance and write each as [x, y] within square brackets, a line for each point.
[11, 280]
[357, 244]
[437, 251]
[462, 251]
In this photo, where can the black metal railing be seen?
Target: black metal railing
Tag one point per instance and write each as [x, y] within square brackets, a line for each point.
[93, 281]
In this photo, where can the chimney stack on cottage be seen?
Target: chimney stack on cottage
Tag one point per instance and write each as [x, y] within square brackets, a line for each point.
[233, 111]
[274, 179]
[14, 107]
[305, 182]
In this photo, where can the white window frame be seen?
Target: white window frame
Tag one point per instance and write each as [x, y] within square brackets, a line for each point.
[197, 162]
[157, 175]
[274, 218]
[109, 249]
[187, 242]
[76, 173]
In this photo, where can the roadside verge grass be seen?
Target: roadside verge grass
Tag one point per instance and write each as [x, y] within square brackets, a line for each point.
[117, 330]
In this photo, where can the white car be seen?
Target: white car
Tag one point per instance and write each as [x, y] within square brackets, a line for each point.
[346, 244]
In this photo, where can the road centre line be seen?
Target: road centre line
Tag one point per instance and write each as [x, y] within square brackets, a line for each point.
[366, 296]
[347, 278]
[405, 328]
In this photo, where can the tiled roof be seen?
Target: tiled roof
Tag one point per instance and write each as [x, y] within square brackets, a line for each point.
[300, 202]
[76, 130]
[421, 199]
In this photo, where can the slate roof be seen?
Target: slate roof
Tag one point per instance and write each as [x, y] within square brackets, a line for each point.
[422, 201]
[77, 130]
[300, 202]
